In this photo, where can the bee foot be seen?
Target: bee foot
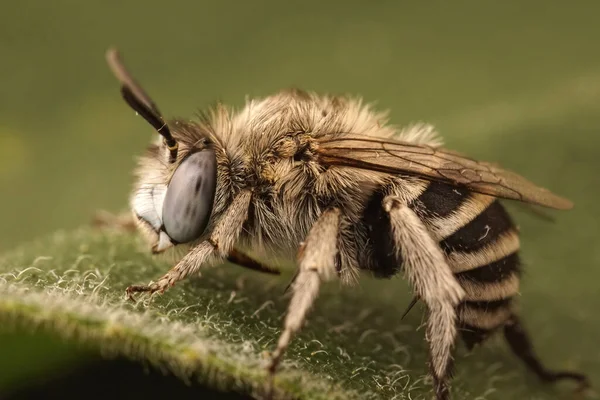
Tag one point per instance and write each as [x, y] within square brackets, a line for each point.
[270, 384]
[271, 369]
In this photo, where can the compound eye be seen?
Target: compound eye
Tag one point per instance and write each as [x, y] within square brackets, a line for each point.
[189, 199]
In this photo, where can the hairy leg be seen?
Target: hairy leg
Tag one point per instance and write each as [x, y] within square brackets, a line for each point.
[426, 269]
[123, 221]
[215, 248]
[244, 260]
[519, 342]
[316, 263]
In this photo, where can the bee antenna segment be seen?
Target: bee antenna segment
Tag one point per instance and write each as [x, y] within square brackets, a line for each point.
[136, 97]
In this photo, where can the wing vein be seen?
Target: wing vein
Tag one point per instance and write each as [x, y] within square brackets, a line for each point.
[401, 158]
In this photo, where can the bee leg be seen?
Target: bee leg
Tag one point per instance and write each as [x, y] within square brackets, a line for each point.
[122, 222]
[215, 248]
[203, 254]
[243, 260]
[520, 344]
[428, 272]
[316, 262]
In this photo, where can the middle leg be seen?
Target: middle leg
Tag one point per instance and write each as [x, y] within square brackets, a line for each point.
[316, 262]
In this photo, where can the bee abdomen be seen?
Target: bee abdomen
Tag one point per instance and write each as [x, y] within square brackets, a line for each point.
[483, 254]
[479, 319]
[481, 244]
[484, 314]
[484, 258]
[493, 272]
[478, 237]
[489, 292]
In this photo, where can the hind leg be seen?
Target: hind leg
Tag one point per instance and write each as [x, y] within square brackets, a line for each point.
[520, 344]
[428, 272]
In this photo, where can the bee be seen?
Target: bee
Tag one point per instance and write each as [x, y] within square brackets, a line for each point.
[327, 181]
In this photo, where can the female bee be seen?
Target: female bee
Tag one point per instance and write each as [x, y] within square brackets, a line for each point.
[325, 178]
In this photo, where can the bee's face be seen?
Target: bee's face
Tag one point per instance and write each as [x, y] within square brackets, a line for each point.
[173, 200]
[178, 211]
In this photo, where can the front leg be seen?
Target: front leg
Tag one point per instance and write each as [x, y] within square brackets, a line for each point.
[123, 222]
[215, 248]
[428, 272]
[316, 262]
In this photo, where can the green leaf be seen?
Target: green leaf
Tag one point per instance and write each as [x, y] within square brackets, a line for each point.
[216, 328]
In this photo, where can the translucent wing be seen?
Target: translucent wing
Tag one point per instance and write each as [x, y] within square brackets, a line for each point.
[379, 154]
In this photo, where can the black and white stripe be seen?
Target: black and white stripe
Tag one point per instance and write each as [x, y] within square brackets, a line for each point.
[481, 244]
[479, 240]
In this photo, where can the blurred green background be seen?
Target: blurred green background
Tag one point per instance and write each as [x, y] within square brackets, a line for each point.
[513, 82]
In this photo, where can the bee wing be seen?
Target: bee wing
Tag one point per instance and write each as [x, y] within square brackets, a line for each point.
[394, 157]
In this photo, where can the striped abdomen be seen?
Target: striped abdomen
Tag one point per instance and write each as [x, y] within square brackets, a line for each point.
[480, 242]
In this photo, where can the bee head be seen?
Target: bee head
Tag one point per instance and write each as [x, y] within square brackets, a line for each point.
[179, 210]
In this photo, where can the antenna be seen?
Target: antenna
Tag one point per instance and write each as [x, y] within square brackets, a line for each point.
[137, 99]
